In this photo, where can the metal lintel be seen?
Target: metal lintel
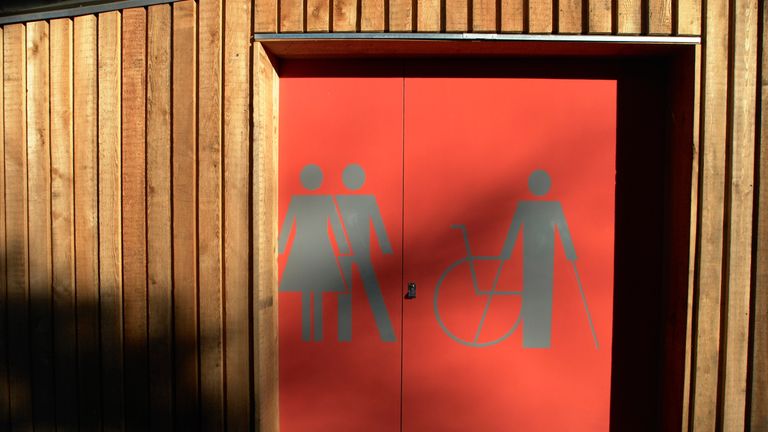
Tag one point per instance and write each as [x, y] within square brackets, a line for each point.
[78, 11]
[480, 37]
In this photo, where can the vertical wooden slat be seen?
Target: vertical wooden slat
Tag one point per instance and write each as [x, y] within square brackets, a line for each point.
[265, 111]
[758, 414]
[484, 15]
[743, 73]
[569, 16]
[265, 16]
[110, 221]
[629, 16]
[695, 173]
[688, 17]
[5, 411]
[540, 16]
[210, 210]
[14, 80]
[512, 16]
[318, 15]
[160, 306]
[291, 15]
[86, 222]
[63, 228]
[600, 20]
[428, 15]
[134, 235]
[456, 19]
[184, 183]
[344, 15]
[39, 225]
[660, 17]
[710, 231]
[236, 211]
[372, 15]
[401, 15]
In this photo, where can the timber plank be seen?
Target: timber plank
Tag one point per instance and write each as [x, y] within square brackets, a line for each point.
[660, 17]
[401, 18]
[291, 15]
[265, 19]
[569, 16]
[484, 16]
[14, 80]
[184, 195]
[629, 17]
[372, 15]
[706, 350]
[428, 16]
[237, 212]
[600, 19]
[743, 72]
[540, 16]
[456, 19]
[5, 410]
[265, 298]
[512, 16]
[344, 15]
[688, 17]
[758, 415]
[160, 307]
[86, 222]
[39, 223]
[134, 230]
[318, 15]
[110, 221]
[63, 227]
[210, 210]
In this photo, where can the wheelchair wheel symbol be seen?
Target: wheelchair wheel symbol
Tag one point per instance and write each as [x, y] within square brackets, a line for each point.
[470, 260]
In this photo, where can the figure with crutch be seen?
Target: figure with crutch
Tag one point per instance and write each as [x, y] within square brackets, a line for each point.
[539, 220]
[358, 213]
[312, 268]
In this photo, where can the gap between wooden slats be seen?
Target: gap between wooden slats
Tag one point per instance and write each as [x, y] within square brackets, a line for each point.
[210, 208]
[159, 228]
[14, 81]
[184, 215]
[39, 224]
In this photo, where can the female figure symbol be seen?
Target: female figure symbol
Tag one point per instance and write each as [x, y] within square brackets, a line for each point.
[312, 267]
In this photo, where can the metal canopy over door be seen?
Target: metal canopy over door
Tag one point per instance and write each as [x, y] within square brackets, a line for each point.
[495, 197]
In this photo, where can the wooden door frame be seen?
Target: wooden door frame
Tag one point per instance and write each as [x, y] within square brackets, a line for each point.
[676, 61]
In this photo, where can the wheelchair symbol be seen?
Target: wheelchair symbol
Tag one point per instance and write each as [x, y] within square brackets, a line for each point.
[470, 259]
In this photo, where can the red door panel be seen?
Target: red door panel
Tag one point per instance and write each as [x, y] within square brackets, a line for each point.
[509, 221]
[340, 209]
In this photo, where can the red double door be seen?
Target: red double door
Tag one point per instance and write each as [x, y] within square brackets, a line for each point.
[493, 196]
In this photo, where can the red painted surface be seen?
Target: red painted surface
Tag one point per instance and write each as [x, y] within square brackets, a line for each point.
[331, 122]
[470, 145]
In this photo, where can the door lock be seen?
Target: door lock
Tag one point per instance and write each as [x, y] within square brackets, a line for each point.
[411, 294]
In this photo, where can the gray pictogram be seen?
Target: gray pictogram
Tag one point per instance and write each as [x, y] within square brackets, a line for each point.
[312, 266]
[538, 220]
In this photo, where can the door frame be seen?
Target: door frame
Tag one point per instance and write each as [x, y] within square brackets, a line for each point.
[663, 377]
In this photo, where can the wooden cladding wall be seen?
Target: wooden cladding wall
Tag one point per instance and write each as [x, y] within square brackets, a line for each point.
[627, 17]
[130, 186]
[137, 213]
